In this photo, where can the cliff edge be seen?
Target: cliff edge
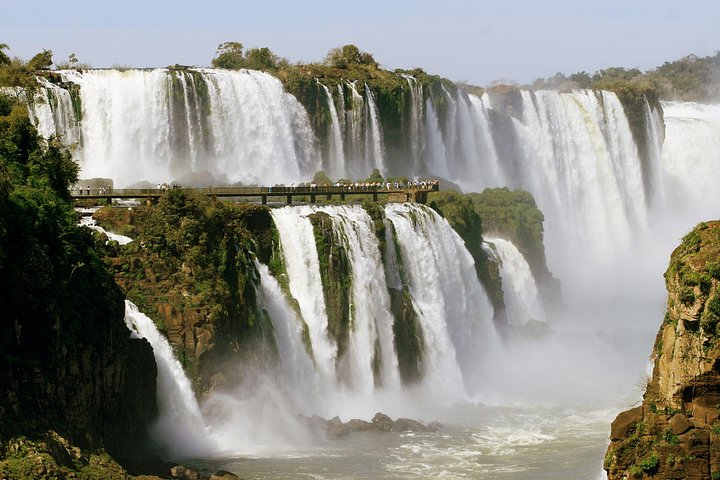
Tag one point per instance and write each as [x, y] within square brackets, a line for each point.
[675, 432]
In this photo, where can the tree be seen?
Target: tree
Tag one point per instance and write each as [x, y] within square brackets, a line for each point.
[375, 176]
[4, 59]
[229, 55]
[261, 59]
[343, 57]
[41, 61]
[321, 178]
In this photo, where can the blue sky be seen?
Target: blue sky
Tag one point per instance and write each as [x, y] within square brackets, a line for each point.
[474, 41]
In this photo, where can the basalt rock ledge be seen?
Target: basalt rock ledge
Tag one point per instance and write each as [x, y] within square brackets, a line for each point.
[675, 432]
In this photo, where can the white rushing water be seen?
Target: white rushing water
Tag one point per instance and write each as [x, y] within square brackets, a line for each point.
[180, 426]
[690, 159]
[453, 308]
[89, 221]
[519, 287]
[159, 125]
[611, 222]
[336, 156]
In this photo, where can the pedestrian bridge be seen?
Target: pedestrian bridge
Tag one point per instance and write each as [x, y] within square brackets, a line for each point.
[394, 192]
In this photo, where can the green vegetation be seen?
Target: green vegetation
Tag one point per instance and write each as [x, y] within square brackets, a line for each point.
[347, 55]
[191, 270]
[336, 278]
[690, 78]
[230, 55]
[61, 328]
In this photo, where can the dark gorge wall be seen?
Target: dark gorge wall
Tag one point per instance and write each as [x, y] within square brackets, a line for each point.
[675, 432]
[67, 362]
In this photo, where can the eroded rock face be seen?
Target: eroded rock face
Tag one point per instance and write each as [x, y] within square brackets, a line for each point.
[675, 433]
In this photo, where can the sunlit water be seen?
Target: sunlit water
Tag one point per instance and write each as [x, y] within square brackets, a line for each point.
[504, 443]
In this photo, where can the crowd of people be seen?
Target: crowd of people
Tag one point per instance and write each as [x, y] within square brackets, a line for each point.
[359, 186]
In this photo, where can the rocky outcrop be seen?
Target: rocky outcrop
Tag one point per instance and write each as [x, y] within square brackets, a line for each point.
[191, 270]
[675, 433]
[335, 428]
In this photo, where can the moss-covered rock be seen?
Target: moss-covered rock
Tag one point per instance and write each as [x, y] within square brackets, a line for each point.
[336, 277]
[678, 423]
[191, 269]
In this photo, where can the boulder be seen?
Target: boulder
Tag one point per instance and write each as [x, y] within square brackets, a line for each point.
[382, 422]
[224, 475]
[336, 428]
[408, 425]
[434, 426]
[357, 425]
[624, 421]
[680, 424]
[181, 472]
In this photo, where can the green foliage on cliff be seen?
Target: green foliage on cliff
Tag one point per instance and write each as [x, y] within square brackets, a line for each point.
[336, 278]
[14, 72]
[230, 55]
[690, 78]
[61, 330]
[347, 55]
[191, 270]
[513, 214]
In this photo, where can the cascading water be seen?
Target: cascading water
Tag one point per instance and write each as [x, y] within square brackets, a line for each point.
[655, 135]
[303, 269]
[180, 426]
[336, 162]
[690, 159]
[371, 321]
[582, 166]
[415, 122]
[373, 134]
[237, 126]
[519, 287]
[452, 307]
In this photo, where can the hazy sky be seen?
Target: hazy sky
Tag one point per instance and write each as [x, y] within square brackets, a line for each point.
[474, 41]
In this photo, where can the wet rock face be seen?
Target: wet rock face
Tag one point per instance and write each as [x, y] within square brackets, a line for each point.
[675, 433]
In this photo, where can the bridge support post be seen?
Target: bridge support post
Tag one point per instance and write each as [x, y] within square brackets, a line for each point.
[342, 197]
[312, 198]
[289, 199]
[328, 196]
[375, 196]
[264, 199]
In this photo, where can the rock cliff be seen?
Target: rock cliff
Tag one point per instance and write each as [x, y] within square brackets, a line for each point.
[675, 432]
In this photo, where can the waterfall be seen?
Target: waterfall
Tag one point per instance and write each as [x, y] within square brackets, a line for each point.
[355, 121]
[299, 373]
[690, 156]
[490, 170]
[519, 288]
[180, 425]
[371, 320]
[415, 122]
[52, 112]
[452, 307]
[336, 162]
[655, 135]
[297, 240]
[373, 134]
[580, 163]
[89, 221]
[434, 154]
[156, 125]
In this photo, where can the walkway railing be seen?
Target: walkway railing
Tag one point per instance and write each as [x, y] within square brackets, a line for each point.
[415, 192]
